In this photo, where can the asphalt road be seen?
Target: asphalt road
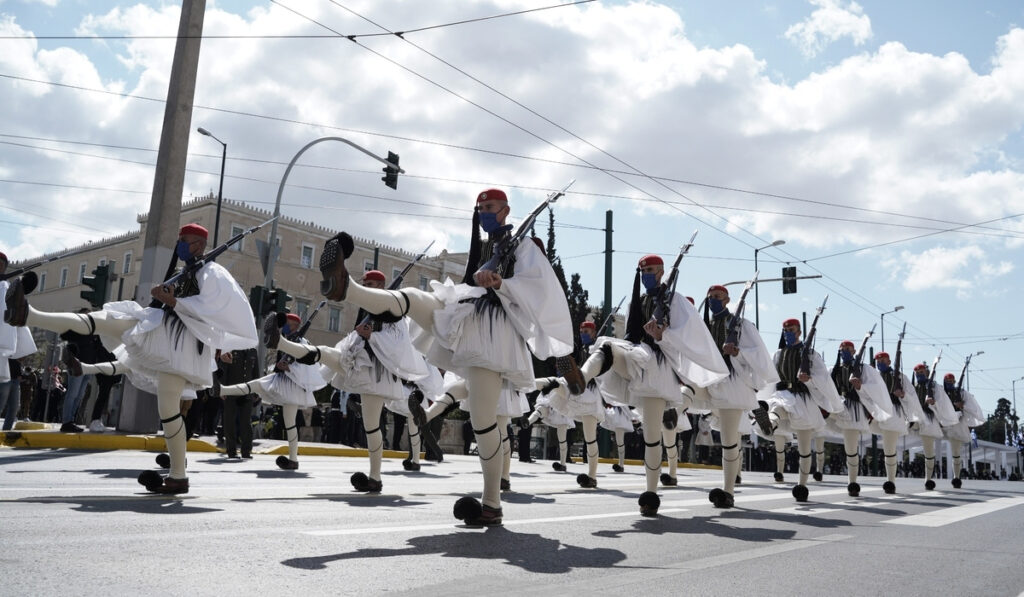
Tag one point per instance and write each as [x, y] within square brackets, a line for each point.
[78, 523]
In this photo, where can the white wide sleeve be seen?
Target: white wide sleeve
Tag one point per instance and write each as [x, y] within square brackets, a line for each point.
[972, 414]
[535, 303]
[754, 356]
[943, 408]
[874, 394]
[219, 316]
[689, 344]
[823, 390]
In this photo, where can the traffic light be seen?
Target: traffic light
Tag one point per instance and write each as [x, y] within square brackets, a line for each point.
[261, 301]
[99, 286]
[789, 280]
[390, 177]
[279, 299]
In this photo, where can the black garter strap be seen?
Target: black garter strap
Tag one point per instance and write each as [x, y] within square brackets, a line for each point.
[588, 443]
[290, 428]
[805, 456]
[652, 444]
[932, 458]
[893, 455]
[782, 451]
[730, 447]
[164, 422]
[854, 455]
[488, 430]
[412, 435]
[169, 419]
[369, 431]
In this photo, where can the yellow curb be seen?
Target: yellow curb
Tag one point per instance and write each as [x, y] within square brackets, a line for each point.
[29, 426]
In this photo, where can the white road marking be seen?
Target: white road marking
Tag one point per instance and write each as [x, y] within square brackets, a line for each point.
[938, 518]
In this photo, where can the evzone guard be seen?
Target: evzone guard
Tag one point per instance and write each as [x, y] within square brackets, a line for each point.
[666, 345]
[620, 419]
[937, 410]
[289, 385]
[750, 369]
[793, 403]
[15, 342]
[168, 348]
[865, 398]
[905, 408]
[373, 360]
[544, 412]
[483, 329]
[969, 413]
[586, 407]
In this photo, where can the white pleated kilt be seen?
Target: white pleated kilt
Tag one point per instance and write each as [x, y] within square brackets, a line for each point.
[795, 412]
[853, 417]
[959, 432]
[928, 428]
[356, 372]
[510, 403]
[617, 418]
[159, 345]
[898, 422]
[577, 407]
[731, 392]
[281, 390]
[550, 416]
[465, 338]
[650, 377]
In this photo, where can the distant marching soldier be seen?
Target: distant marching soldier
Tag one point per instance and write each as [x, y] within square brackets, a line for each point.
[937, 410]
[970, 415]
[905, 409]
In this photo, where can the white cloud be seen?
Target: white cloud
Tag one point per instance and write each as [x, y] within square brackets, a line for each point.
[962, 269]
[830, 22]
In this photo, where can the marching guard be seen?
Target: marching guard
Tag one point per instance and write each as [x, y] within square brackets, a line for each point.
[937, 410]
[904, 409]
[970, 415]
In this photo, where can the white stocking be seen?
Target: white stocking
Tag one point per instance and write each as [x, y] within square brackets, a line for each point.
[79, 322]
[506, 446]
[238, 389]
[654, 409]
[442, 404]
[669, 439]
[819, 453]
[484, 391]
[110, 368]
[620, 443]
[928, 444]
[373, 405]
[421, 304]
[563, 443]
[851, 443]
[729, 423]
[590, 439]
[289, 412]
[594, 362]
[803, 446]
[168, 403]
[414, 439]
[780, 453]
[889, 443]
[957, 447]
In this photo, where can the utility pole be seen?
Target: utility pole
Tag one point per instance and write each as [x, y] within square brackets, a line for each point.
[163, 223]
[607, 269]
[138, 409]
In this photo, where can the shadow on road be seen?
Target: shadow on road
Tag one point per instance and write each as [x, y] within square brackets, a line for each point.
[699, 525]
[139, 504]
[41, 454]
[532, 553]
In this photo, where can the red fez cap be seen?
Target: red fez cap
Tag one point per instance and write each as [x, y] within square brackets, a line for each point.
[293, 317]
[374, 275]
[195, 229]
[690, 298]
[950, 376]
[846, 343]
[790, 322]
[920, 366]
[881, 355]
[4, 257]
[588, 324]
[492, 195]
[650, 260]
[718, 287]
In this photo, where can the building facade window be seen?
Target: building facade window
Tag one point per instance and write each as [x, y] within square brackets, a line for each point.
[302, 308]
[367, 265]
[334, 320]
[103, 261]
[395, 272]
[63, 277]
[424, 282]
[307, 255]
[81, 271]
[126, 268]
[235, 231]
[42, 282]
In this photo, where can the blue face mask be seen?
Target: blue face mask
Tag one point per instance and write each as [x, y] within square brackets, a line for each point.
[921, 377]
[846, 356]
[586, 339]
[650, 281]
[881, 366]
[182, 251]
[948, 385]
[790, 338]
[715, 305]
[287, 329]
[489, 221]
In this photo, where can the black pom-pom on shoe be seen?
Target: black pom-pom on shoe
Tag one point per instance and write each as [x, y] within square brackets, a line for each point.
[649, 503]
[800, 493]
[467, 508]
[617, 468]
[721, 498]
[586, 481]
[817, 476]
[779, 478]
[163, 460]
[286, 464]
[929, 485]
[151, 480]
[853, 489]
[957, 483]
[558, 466]
[889, 487]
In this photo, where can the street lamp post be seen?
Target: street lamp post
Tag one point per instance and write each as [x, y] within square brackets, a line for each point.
[967, 370]
[757, 300]
[883, 323]
[220, 190]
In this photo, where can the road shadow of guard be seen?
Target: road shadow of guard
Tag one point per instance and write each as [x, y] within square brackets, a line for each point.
[532, 553]
[718, 526]
[139, 504]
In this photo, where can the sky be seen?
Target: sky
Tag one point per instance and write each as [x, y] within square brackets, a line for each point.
[880, 140]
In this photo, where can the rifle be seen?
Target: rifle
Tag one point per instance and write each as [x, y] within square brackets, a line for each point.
[732, 333]
[897, 366]
[661, 305]
[805, 353]
[960, 385]
[505, 248]
[398, 279]
[213, 254]
[301, 332]
[931, 377]
[858, 362]
[21, 270]
[610, 315]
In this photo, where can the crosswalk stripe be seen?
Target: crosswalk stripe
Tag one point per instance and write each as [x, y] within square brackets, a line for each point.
[938, 518]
